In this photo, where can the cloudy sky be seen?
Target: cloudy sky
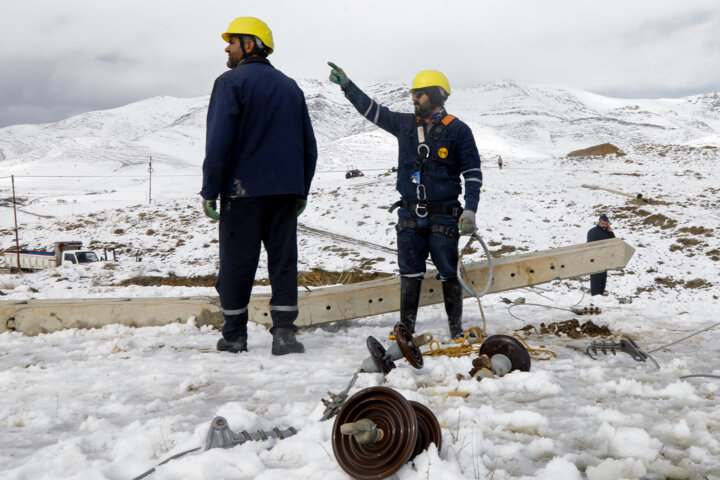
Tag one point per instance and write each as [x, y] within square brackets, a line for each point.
[60, 58]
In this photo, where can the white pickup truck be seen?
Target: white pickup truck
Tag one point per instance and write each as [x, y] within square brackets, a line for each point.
[65, 253]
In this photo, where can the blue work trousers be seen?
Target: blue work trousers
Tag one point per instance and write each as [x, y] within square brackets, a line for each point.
[246, 224]
[416, 242]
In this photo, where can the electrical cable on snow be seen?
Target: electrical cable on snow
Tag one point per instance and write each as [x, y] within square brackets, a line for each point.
[461, 275]
[685, 338]
[177, 455]
[568, 309]
[709, 375]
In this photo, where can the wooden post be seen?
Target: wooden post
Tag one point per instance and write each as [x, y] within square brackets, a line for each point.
[17, 240]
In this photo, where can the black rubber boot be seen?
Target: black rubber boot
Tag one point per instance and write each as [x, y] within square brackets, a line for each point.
[240, 345]
[452, 294]
[284, 342]
[409, 301]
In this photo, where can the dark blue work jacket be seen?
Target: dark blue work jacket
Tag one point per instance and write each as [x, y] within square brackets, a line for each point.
[454, 153]
[597, 233]
[259, 137]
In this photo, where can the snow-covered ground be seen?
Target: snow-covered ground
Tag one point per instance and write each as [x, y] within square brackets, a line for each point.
[114, 402]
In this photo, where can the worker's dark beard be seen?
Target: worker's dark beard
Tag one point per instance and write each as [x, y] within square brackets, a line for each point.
[422, 112]
[233, 62]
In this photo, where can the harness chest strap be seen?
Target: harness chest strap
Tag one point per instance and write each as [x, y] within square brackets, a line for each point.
[435, 131]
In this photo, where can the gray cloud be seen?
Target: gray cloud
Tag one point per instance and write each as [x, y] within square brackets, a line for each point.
[63, 58]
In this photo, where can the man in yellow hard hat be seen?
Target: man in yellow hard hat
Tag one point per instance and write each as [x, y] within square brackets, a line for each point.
[434, 150]
[260, 158]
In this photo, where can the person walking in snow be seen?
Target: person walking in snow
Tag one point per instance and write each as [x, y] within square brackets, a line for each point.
[601, 231]
[499, 162]
[435, 149]
[260, 159]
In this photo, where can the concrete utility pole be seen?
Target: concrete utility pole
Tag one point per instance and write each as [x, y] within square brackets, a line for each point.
[150, 180]
[638, 196]
[323, 305]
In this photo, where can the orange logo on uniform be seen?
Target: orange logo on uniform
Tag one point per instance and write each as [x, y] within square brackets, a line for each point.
[442, 152]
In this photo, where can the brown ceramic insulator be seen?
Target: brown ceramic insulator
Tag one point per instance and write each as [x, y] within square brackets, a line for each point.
[382, 361]
[394, 415]
[428, 429]
[510, 347]
[404, 338]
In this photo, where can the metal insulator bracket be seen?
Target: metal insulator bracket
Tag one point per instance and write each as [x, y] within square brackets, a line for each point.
[626, 345]
[220, 435]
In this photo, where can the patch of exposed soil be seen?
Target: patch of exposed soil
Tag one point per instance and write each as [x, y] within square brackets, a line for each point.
[696, 283]
[660, 220]
[570, 328]
[170, 280]
[696, 230]
[316, 277]
[503, 250]
[668, 282]
[598, 150]
[631, 210]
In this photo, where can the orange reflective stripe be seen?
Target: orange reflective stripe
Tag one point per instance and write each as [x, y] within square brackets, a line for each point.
[447, 119]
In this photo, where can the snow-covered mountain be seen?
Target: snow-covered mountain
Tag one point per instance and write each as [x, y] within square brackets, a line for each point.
[509, 119]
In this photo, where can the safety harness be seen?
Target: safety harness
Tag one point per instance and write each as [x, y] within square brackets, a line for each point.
[422, 208]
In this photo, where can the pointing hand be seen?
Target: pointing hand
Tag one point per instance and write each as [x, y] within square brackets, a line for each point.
[337, 74]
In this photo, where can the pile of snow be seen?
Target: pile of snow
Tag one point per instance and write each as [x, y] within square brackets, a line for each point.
[114, 402]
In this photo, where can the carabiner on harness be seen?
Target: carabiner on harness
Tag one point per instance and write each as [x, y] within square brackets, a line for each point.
[423, 151]
[421, 208]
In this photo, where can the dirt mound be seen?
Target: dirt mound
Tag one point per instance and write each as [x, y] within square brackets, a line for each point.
[316, 277]
[598, 151]
[571, 328]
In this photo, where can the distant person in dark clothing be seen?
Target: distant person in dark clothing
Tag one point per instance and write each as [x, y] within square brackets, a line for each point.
[499, 162]
[601, 231]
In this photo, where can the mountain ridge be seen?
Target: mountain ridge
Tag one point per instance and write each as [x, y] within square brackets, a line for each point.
[537, 120]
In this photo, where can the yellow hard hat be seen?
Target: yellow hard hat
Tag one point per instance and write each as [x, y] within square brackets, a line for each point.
[430, 78]
[250, 26]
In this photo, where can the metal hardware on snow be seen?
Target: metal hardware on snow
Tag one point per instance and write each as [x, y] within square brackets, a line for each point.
[586, 311]
[332, 406]
[381, 361]
[220, 435]
[378, 431]
[625, 345]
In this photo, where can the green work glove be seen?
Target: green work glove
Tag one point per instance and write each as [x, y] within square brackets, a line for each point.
[210, 209]
[337, 75]
[300, 204]
[466, 223]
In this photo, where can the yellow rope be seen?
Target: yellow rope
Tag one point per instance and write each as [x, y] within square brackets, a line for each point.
[535, 353]
[469, 344]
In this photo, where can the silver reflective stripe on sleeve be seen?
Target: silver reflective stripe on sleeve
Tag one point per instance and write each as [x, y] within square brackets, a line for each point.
[235, 312]
[473, 180]
[471, 170]
[377, 114]
[367, 112]
[284, 308]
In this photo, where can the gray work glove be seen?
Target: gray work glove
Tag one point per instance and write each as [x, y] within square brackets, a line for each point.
[466, 223]
[337, 75]
[210, 209]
